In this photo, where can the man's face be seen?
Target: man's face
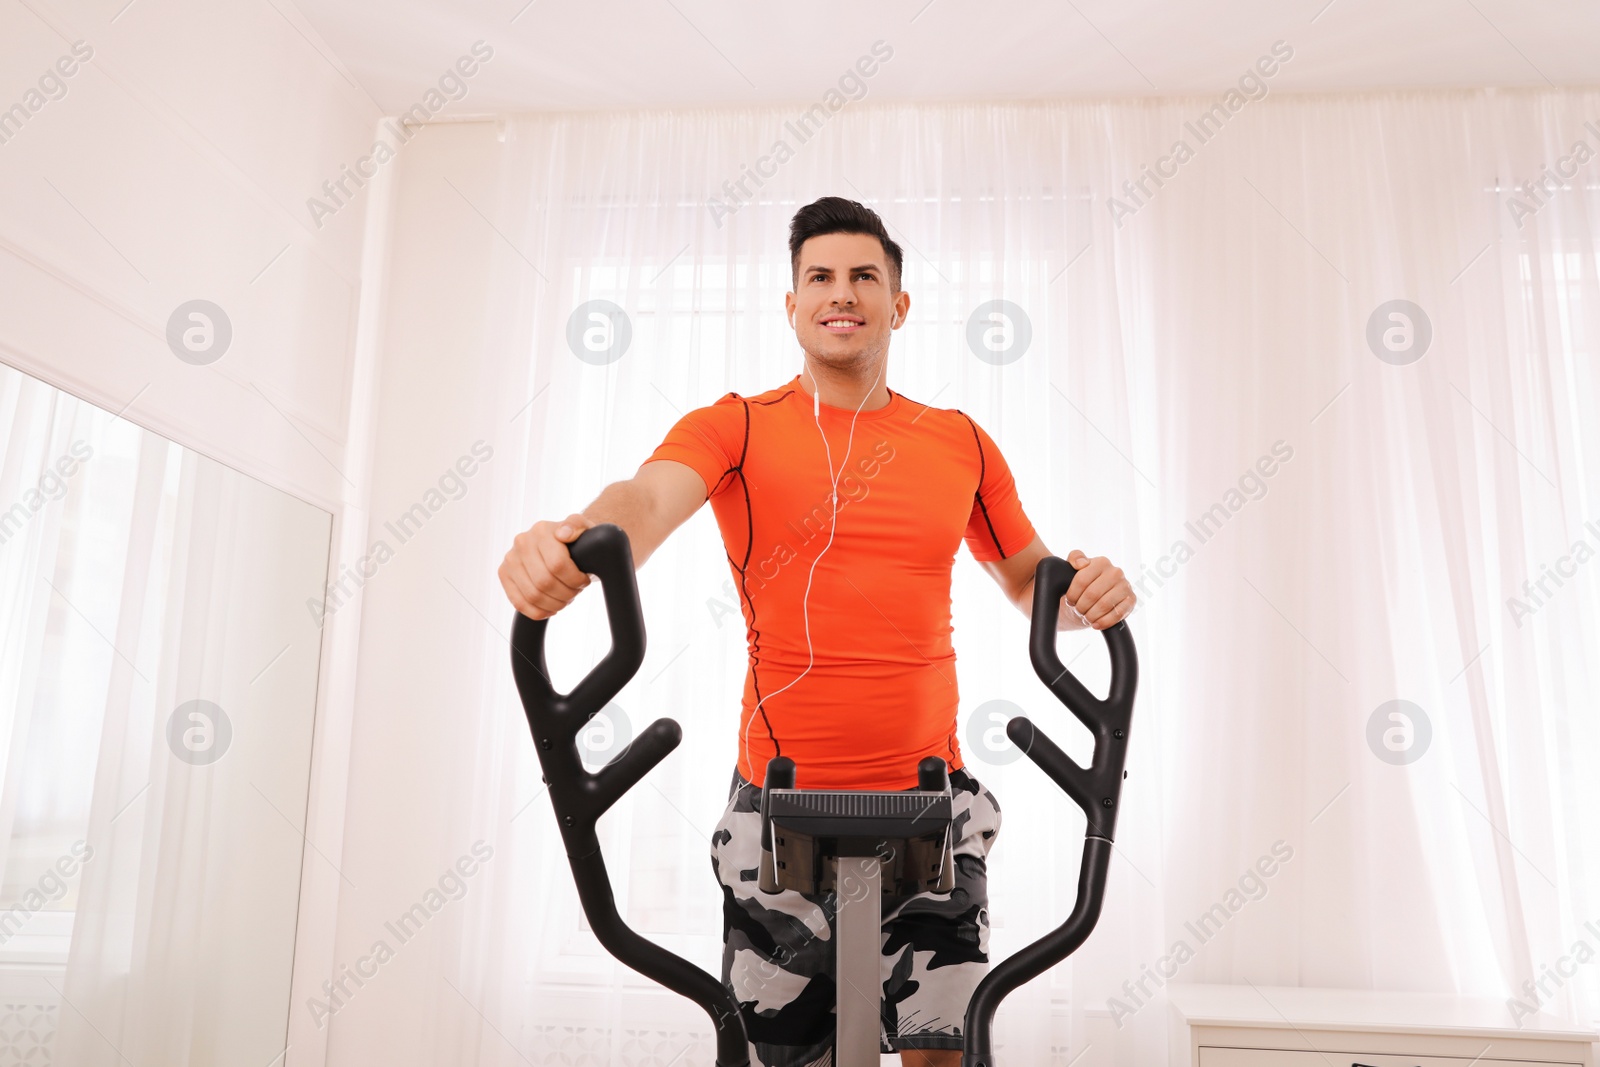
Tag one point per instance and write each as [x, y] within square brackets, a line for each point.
[843, 309]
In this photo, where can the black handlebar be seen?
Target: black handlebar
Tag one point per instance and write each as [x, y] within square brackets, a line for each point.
[1097, 790]
[580, 796]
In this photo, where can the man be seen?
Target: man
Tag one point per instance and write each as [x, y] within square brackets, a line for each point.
[841, 505]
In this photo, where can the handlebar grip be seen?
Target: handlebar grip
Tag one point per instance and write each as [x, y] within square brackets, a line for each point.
[1096, 789]
[1051, 581]
[604, 552]
[581, 796]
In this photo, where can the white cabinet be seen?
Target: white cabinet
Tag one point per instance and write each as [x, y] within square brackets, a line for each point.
[1274, 1026]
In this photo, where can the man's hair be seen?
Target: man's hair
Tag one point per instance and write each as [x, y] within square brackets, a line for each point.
[835, 214]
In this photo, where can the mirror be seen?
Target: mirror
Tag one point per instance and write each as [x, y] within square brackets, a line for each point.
[158, 673]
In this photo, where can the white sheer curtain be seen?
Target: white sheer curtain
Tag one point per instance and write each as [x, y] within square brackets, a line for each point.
[142, 577]
[67, 490]
[1318, 532]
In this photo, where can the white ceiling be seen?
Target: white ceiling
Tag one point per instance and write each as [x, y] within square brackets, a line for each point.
[719, 53]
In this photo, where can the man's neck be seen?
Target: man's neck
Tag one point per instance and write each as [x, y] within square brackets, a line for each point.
[845, 388]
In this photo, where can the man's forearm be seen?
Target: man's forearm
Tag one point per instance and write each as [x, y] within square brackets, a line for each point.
[629, 506]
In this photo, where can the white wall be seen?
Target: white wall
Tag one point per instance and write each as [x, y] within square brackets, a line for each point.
[420, 685]
[175, 163]
[177, 166]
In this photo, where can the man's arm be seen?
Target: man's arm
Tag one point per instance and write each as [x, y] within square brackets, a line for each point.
[1099, 595]
[538, 574]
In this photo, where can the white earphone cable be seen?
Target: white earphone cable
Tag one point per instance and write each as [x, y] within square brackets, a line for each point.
[833, 477]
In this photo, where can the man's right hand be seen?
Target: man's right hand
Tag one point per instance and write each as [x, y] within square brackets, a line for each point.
[538, 574]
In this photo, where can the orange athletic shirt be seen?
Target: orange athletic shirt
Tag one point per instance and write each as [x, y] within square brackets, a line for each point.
[881, 692]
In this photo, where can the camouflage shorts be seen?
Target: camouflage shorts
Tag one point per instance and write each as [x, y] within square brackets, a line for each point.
[778, 954]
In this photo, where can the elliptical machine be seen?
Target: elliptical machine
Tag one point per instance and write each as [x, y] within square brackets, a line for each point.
[822, 840]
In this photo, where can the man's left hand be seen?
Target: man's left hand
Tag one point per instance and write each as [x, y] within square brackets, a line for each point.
[1099, 595]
